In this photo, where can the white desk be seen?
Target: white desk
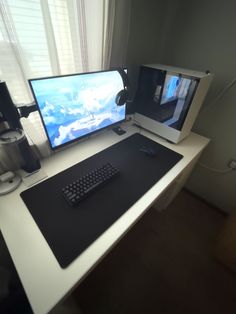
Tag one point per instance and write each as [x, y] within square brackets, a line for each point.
[44, 281]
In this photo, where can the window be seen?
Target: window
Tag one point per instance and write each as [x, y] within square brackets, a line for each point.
[51, 37]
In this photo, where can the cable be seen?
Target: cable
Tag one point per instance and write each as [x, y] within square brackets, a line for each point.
[221, 94]
[214, 169]
[211, 103]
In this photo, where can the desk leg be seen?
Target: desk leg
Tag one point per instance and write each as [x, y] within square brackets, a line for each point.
[170, 193]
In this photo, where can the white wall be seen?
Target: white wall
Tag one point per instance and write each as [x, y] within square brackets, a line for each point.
[145, 31]
[198, 35]
[204, 38]
[150, 21]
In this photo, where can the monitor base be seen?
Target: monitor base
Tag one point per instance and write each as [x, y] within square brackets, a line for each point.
[9, 181]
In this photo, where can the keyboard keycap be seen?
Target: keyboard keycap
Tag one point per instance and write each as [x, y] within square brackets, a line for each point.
[83, 186]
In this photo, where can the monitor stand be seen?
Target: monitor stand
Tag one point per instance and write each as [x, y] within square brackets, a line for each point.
[118, 130]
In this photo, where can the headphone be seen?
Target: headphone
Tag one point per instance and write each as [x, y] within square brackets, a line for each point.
[122, 95]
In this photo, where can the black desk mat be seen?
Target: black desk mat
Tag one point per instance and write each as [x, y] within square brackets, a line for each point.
[70, 230]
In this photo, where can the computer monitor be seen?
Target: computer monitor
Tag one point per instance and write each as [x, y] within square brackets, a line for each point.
[168, 99]
[77, 105]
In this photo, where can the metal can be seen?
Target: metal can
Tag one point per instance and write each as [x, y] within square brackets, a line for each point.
[11, 158]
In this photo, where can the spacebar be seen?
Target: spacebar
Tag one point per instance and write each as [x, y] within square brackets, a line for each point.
[93, 187]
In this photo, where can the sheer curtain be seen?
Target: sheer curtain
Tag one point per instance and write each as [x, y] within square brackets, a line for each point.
[51, 37]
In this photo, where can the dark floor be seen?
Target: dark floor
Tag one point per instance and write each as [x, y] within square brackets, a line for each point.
[165, 265]
[12, 296]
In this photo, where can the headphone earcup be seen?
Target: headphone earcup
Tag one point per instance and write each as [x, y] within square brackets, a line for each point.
[121, 97]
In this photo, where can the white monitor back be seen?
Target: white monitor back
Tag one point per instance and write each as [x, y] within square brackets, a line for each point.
[150, 122]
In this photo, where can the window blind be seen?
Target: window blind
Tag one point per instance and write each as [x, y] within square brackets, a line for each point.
[41, 38]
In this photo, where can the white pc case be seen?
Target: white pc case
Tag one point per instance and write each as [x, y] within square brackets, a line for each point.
[155, 92]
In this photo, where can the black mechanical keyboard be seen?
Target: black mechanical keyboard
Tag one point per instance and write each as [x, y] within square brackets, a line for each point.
[83, 186]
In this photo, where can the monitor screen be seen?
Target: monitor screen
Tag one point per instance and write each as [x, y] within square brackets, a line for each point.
[165, 96]
[77, 105]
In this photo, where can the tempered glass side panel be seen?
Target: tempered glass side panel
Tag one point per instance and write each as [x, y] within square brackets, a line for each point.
[165, 96]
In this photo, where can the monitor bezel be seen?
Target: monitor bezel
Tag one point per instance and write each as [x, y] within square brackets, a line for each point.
[76, 140]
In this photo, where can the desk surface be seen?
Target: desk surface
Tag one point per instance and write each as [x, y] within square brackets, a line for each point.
[44, 281]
